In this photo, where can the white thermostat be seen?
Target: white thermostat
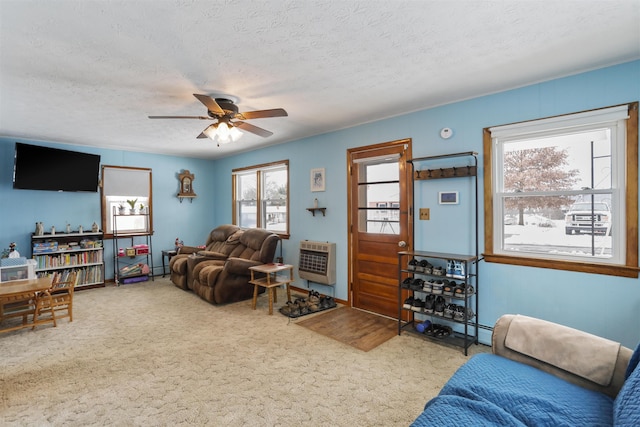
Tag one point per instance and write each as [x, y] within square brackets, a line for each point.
[446, 133]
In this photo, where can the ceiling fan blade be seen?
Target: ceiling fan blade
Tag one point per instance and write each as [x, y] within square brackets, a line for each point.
[202, 134]
[180, 117]
[262, 114]
[253, 129]
[210, 103]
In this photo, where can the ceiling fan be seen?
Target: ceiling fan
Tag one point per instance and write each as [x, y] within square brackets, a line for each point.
[224, 110]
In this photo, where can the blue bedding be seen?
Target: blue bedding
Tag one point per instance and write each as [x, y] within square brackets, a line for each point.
[490, 390]
[626, 409]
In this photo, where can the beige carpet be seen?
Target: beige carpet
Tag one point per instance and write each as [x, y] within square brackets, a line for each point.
[152, 354]
[357, 328]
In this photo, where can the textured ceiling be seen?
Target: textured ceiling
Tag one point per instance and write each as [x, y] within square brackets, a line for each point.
[90, 72]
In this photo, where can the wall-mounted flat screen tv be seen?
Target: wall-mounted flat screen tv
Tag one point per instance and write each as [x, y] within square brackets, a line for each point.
[53, 169]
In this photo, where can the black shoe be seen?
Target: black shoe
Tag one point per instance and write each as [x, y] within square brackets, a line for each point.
[429, 303]
[418, 305]
[426, 267]
[408, 303]
[412, 264]
[290, 310]
[327, 301]
[443, 331]
[439, 307]
[406, 283]
[417, 284]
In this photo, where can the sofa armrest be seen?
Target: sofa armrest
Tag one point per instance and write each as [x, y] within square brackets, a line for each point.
[188, 250]
[587, 360]
[240, 266]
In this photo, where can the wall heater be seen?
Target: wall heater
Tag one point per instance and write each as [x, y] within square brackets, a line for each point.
[317, 262]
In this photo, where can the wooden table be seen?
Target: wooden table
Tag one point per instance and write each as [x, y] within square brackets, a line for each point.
[17, 299]
[270, 281]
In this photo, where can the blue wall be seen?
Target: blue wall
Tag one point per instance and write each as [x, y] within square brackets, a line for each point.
[603, 305]
[21, 209]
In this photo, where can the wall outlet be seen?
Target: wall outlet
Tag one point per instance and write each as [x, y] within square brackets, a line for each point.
[424, 213]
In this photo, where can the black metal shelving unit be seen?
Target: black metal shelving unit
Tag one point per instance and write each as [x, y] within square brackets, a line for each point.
[466, 332]
[136, 254]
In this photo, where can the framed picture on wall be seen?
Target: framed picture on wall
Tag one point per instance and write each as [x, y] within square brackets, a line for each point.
[448, 197]
[317, 179]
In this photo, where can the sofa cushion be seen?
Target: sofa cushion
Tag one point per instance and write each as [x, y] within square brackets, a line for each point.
[251, 243]
[526, 394]
[626, 408]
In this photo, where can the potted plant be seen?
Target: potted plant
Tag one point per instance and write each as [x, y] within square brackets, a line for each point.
[132, 203]
[121, 210]
[141, 208]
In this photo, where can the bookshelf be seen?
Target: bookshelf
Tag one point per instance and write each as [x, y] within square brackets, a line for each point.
[63, 253]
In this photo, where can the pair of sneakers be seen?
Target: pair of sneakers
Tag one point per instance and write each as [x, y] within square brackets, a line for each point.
[456, 269]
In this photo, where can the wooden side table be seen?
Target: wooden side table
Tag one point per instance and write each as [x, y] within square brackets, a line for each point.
[270, 281]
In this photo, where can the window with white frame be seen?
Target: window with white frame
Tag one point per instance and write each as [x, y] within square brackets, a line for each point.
[261, 197]
[559, 191]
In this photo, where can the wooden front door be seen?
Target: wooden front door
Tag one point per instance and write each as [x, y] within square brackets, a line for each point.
[380, 223]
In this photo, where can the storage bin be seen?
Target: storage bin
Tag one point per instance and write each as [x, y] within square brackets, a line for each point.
[24, 271]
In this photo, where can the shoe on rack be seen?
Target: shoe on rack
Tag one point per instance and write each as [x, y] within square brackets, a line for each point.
[427, 286]
[437, 271]
[417, 284]
[432, 329]
[450, 267]
[426, 267]
[458, 270]
[408, 303]
[418, 305]
[439, 306]
[429, 303]
[448, 289]
[459, 314]
[443, 331]
[406, 283]
[449, 309]
[460, 290]
[412, 264]
[429, 283]
[437, 287]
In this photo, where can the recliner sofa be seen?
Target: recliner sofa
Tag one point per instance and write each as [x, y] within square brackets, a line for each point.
[220, 274]
[215, 246]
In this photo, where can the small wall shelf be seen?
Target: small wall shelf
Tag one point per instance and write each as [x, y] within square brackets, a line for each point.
[184, 196]
[313, 210]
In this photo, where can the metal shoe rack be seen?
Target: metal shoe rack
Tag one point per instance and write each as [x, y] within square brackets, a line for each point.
[464, 330]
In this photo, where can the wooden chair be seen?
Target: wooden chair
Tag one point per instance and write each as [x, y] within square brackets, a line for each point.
[56, 300]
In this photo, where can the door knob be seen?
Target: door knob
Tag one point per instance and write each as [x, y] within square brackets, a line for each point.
[402, 243]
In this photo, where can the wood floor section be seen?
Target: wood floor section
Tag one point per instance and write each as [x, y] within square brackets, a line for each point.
[357, 328]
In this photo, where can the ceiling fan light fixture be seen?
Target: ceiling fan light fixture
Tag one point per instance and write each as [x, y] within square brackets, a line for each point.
[221, 133]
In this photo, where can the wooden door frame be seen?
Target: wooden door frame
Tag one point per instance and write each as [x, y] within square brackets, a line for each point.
[409, 192]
